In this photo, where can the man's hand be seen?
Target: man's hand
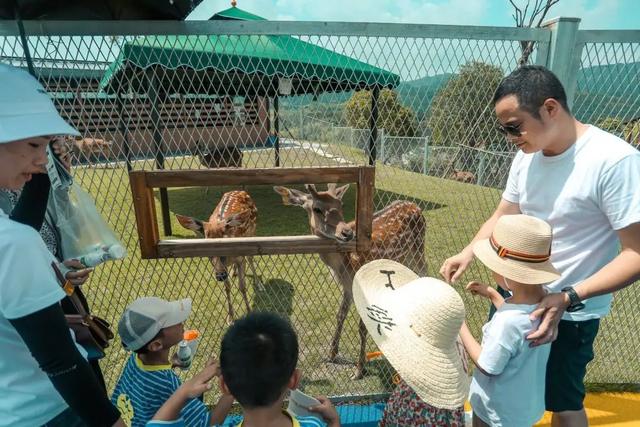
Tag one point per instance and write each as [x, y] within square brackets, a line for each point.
[453, 267]
[327, 411]
[550, 309]
[79, 275]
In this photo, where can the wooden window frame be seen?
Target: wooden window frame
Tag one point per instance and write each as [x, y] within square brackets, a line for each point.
[143, 184]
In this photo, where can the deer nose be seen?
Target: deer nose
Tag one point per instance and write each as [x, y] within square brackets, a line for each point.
[222, 276]
[347, 234]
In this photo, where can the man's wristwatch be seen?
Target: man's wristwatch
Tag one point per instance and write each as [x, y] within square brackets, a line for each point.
[574, 300]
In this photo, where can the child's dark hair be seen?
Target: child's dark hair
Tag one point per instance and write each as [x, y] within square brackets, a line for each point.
[258, 355]
[532, 85]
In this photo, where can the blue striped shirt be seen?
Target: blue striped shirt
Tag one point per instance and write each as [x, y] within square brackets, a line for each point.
[141, 390]
[236, 421]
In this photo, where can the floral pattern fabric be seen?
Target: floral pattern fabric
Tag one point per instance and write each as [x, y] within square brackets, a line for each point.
[405, 408]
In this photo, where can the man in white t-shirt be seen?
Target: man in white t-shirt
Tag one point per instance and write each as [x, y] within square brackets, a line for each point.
[584, 182]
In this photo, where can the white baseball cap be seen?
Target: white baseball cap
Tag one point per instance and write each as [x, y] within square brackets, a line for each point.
[145, 317]
[26, 111]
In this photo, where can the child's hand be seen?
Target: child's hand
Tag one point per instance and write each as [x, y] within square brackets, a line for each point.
[200, 383]
[327, 411]
[477, 288]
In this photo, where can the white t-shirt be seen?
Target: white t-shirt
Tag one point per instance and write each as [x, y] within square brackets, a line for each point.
[514, 393]
[27, 284]
[585, 194]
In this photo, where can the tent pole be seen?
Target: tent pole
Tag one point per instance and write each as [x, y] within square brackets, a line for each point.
[23, 40]
[373, 125]
[155, 99]
[276, 128]
[123, 130]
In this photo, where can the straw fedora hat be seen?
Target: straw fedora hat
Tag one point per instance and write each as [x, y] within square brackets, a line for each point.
[519, 249]
[415, 322]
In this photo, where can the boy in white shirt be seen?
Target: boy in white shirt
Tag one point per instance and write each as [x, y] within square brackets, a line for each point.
[508, 387]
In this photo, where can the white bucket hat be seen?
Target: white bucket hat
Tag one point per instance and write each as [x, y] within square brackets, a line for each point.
[519, 249]
[415, 322]
[146, 316]
[26, 111]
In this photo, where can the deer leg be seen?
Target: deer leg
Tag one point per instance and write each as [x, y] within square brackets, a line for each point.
[340, 318]
[256, 279]
[360, 368]
[239, 267]
[230, 313]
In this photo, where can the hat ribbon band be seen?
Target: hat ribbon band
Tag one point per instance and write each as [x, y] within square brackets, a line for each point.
[503, 252]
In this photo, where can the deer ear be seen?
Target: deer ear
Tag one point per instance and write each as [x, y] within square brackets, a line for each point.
[191, 224]
[340, 191]
[291, 196]
[311, 188]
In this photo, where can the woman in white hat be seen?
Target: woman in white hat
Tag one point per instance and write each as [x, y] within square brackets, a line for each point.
[508, 386]
[415, 323]
[44, 380]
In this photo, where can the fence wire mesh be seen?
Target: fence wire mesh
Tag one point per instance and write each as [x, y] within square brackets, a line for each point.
[181, 101]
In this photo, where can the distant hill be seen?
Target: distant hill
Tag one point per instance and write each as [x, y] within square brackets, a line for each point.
[608, 91]
[419, 93]
[602, 91]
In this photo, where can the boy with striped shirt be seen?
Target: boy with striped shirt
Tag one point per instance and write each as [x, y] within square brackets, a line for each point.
[258, 359]
[149, 328]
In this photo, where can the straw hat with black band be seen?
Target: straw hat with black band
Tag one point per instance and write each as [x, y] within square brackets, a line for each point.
[519, 249]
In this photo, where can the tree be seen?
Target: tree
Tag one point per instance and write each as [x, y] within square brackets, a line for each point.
[526, 18]
[461, 111]
[393, 117]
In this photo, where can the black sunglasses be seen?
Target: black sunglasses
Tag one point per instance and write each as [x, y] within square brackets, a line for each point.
[513, 130]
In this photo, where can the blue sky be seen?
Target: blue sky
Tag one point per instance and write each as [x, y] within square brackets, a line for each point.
[595, 14]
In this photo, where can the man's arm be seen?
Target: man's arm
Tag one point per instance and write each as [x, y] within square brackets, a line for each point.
[623, 270]
[453, 267]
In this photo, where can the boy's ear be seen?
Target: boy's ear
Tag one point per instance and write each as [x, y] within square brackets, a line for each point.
[294, 381]
[155, 345]
[223, 386]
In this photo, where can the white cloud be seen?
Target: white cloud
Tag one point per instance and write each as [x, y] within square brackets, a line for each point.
[599, 14]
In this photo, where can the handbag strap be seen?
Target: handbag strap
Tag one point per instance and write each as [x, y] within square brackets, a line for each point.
[73, 297]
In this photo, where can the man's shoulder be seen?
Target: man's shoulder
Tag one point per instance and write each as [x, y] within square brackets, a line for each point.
[607, 148]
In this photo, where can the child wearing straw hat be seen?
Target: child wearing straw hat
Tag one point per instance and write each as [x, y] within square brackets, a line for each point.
[415, 323]
[509, 383]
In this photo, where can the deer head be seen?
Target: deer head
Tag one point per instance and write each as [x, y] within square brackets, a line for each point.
[213, 230]
[324, 209]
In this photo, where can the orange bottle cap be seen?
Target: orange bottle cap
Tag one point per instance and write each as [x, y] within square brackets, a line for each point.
[191, 334]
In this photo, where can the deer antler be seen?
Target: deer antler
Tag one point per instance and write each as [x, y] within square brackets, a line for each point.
[311, 188]
[331, 188]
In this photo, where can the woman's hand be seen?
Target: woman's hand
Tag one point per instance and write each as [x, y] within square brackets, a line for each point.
[78, 274]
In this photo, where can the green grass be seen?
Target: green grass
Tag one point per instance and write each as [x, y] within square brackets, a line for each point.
[298, 286]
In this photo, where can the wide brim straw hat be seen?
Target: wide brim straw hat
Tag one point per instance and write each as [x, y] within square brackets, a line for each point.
[415, 322]
[519, 249]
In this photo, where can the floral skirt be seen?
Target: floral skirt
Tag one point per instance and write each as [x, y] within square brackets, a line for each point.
[405, 409]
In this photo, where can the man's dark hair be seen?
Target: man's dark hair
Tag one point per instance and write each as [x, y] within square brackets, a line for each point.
[532, 85]
[258, 355]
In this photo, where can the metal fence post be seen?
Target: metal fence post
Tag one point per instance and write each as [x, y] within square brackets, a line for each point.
[564, 52]
[425, 157]
[382, 144]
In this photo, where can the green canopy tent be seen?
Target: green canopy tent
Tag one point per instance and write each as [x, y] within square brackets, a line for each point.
[237, 65]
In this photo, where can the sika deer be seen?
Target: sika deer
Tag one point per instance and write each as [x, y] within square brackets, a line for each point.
[234, 216]
[397, 234]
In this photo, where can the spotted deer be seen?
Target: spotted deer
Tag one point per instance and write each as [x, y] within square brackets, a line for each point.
[234, 216]
[398, 234]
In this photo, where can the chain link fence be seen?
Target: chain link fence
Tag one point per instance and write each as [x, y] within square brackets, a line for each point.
[300, 95]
